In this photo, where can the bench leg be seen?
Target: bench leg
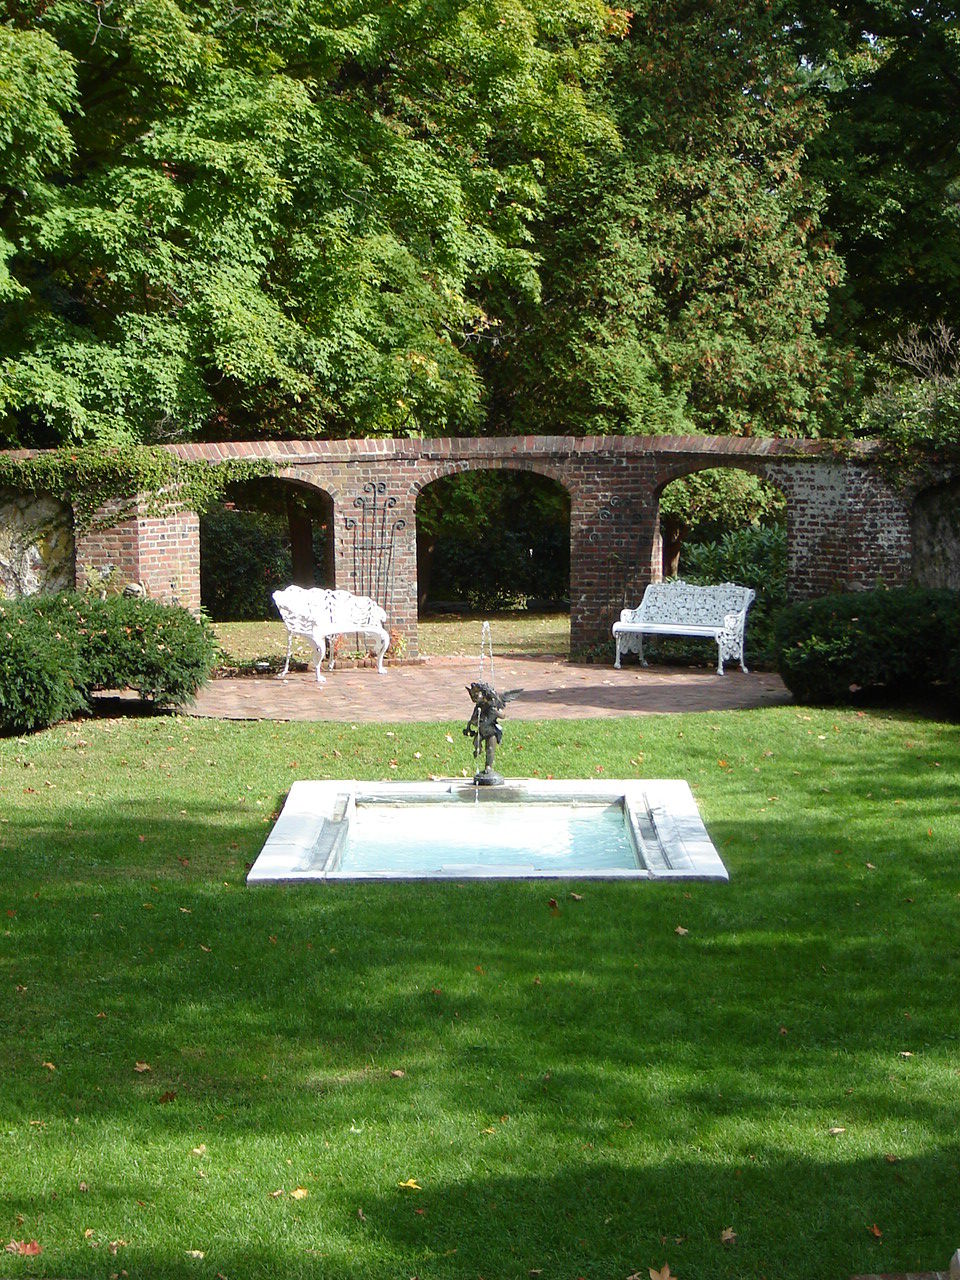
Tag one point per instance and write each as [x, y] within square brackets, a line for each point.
[286, 665]
[719, 659]
[320, 645]
[617, 661]
[643, 661]
[382, 647]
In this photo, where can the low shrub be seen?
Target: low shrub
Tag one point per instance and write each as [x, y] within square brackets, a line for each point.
[40, 669]
[902, 639]
[162, 651]
[57, 650]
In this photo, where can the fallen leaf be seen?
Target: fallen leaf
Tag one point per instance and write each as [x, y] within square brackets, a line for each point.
[28, 1248]
[870, 866]
[728, 1236]
[83, 1187]
[783, 1031]
[299, 1193]
[891, 1158]
[361, 1215]
[680, 931]
[49, 1066]
[398, 1073]
[194, 1253]
[275, 1195]
[663, 1274]
[411, 1184]
[577, 897]
[552, 904]
[837, 1128]
[449, 739]
[199, 1151]
[88, 1233]
[142, 1066]
[491, 1130]
[904, 1053]
[114, 1245]
[169, 1096]
[875, 1231]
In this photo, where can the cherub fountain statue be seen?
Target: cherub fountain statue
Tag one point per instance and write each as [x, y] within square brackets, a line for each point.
[485, 728]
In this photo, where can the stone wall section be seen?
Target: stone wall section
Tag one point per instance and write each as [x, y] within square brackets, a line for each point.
[936, 536]
[36, 544]
[847, 527]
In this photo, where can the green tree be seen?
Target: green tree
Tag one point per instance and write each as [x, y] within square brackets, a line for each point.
[686, 273]
[233, 220]
[887, 73]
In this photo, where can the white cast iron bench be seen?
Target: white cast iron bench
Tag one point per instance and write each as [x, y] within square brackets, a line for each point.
[679, 608]
[319, 615]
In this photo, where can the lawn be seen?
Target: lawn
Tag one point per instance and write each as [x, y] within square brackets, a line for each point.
[459, 1080]
[443, 635]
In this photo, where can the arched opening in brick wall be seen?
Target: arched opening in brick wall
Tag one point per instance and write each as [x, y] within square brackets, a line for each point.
[702, 507]
[493, 539]
[266, 534]
[725, 524]
[935, 536]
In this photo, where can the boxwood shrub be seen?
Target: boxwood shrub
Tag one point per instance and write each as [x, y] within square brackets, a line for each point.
[162, 651]
[901, 639]
[57, 650]
[40, 669]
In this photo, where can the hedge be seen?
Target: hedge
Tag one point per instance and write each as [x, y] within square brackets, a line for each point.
[55, 651]
[902, 639]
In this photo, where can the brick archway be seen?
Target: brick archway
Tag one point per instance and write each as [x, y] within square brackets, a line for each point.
[847, 526]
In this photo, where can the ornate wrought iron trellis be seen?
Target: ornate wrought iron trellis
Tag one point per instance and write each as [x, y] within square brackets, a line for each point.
[374, 532]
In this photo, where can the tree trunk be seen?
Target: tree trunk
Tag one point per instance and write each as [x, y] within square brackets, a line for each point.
[426, 546]
[301, 544]
[672, 534]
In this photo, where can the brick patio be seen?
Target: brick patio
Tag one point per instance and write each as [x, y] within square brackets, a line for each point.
[435, 689]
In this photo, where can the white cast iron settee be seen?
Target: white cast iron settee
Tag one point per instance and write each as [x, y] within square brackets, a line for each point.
[679, 608]
[319, 615]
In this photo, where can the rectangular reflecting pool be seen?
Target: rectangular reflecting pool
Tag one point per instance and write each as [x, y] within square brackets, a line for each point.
[614, 829]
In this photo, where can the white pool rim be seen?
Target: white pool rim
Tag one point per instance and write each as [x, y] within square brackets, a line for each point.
[661, 816]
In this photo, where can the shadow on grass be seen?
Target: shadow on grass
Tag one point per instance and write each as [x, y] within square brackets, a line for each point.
[596, 1217]
[656, 1084]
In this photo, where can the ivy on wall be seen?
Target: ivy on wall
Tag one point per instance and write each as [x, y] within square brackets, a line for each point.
[138, 479]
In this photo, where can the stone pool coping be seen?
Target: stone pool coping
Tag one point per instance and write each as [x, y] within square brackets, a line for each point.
[661, 815]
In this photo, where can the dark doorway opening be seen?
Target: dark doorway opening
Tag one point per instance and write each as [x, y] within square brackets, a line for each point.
[266, 534]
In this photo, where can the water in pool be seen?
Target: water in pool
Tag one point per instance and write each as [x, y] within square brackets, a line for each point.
[528, 838]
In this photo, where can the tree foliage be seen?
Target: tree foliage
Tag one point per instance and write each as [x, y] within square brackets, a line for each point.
[332, 218]
[687, 278]
[245, 219]
[887, 73]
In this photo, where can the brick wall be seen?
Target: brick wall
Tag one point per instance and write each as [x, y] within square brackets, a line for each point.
[162, 552]
[847, 527]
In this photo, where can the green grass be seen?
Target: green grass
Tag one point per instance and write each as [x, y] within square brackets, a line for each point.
[449, 635]
[586, 1092]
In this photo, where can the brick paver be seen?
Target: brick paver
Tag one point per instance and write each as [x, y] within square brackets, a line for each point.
[435, 689]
